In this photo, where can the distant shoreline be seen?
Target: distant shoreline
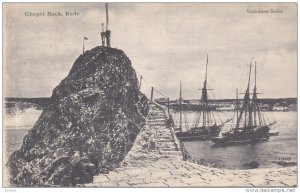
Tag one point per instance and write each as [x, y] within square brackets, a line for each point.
[48, 99]
[266, 104]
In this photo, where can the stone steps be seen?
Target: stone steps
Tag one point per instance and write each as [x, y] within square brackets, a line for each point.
[154, 116]
[157, 124]
[165, 144]
[172, 148]
[167, 148]
[164, 138]
[156, 121]
[165, 130]
[177, 153]
[160, 137]
[163, 134]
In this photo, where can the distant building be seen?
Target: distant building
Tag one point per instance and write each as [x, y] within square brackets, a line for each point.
[226, 107]
[280, 107]
[293, 107]
[265, 107]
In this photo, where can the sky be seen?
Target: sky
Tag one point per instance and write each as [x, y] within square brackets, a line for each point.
[166, 43]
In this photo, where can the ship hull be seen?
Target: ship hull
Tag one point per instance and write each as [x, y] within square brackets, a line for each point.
[252, 135]
[199, 133]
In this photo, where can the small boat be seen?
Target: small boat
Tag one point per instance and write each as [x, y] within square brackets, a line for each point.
[251, 126]
[209, 127]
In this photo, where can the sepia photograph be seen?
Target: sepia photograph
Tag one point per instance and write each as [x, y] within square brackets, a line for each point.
[147, 95]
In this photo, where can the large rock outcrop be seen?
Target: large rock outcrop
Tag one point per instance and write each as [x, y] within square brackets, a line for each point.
[95, 115]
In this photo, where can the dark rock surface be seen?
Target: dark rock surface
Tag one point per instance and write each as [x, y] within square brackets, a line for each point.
[251, 165]
[93, 120]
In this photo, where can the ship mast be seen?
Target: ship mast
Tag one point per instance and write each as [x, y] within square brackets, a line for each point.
[204, 96]
[180, 106]
[252, 104]
[252, 109]
[255, 106]
[237, 104]
[245, 102]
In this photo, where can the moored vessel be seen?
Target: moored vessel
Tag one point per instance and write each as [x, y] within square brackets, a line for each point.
[250, 126]
[205, 125]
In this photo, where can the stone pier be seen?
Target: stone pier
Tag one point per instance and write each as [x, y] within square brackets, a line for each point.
[155, 161]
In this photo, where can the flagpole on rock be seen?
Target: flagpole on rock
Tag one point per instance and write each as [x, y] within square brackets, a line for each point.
[84, 38]
[83, 46]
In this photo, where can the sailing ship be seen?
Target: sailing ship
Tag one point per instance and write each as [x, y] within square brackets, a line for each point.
[209, 127]
[251, 126]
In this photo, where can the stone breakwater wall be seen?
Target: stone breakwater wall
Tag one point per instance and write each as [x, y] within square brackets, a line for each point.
[155, 161]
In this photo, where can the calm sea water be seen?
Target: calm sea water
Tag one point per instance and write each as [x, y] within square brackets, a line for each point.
[277, 148]
[14, 138]
[17, 126]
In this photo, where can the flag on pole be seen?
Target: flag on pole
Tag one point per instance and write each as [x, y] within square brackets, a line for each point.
[84, 38]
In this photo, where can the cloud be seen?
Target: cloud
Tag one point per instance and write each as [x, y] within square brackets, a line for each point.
[166, 42]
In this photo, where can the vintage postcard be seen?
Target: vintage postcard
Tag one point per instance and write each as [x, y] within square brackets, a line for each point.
[150, 95]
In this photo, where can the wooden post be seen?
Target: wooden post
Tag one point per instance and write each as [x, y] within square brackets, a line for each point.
[152, 89]
[83, 46]
[180, 106]
[237, 106]
[141, 78]
[168, 106]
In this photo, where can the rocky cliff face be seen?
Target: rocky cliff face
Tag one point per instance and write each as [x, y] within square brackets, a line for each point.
[95, 115]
